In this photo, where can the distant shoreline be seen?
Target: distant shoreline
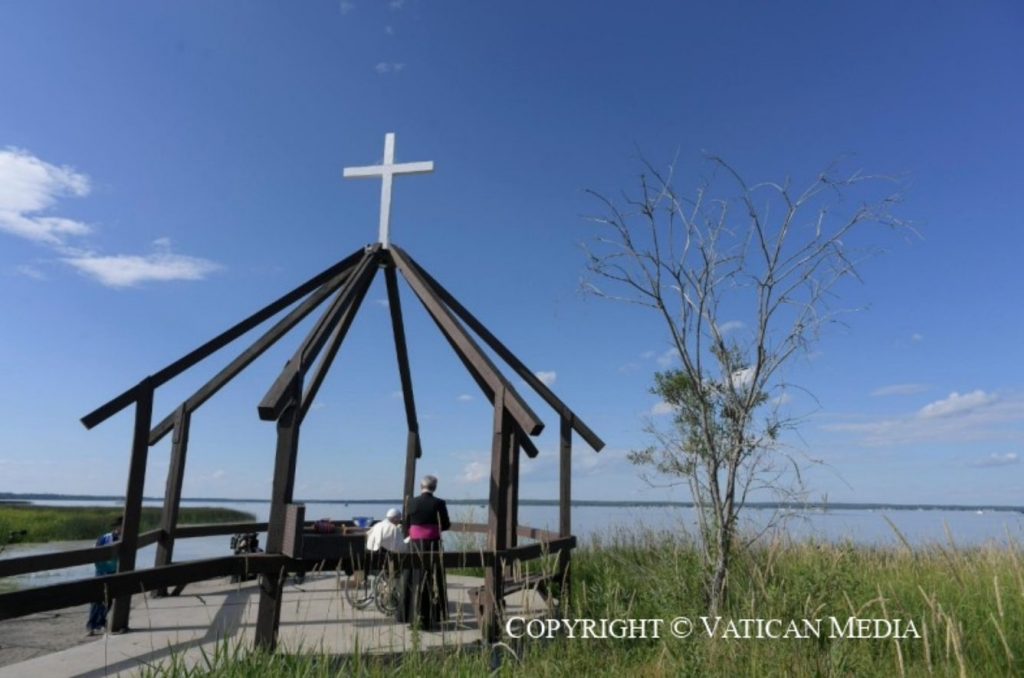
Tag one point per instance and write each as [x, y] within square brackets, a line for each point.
[16, 498]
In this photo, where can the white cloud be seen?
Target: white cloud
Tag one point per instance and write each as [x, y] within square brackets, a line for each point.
[899, 390]
[474, 472]
[127, 270]
[782, 399]
[384, 67]
[396, 4]
[389, 30]
[383, 301]
[30, 272]
[957, 404]
[667, 358]
[396, 394]
[917, 337]
[647, 355]
[345, 6]
[731, 326]
[742, 379]
[464, 398]
[996, 459]
[29, 186]
[971, 417]
[546, 378]
[662, 408]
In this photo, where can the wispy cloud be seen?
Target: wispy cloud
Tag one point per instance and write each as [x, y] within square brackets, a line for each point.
[899, 390]
[396, 5]
[996, 459]
[28, 187]
[30, 271]
[916, 337]
[546, 378]
[668, 358]
[385, 67]
[465, 398]
[128, 270]
[972, 416]
[346, 6]
[731, 326]
[383, 301]
[389, 30]
[957, 404]
[662, 408]
[473, 472]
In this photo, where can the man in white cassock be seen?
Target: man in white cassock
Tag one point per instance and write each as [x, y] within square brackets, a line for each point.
[387, 534]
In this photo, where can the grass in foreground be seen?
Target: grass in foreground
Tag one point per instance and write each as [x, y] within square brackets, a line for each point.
[65, 523]
[967, 604]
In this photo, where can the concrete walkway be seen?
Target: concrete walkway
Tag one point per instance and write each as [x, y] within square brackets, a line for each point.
[314, 617]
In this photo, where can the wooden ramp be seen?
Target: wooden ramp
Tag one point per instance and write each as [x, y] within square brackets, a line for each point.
[314, 618]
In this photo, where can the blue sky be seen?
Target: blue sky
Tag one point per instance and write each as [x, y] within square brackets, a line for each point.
[169, 168]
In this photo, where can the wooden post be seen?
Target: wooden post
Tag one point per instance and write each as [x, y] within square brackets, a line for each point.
[172, 495]
[412, 450]
[565, 508]
[497, 517]
[412, 445]
[133, 500]
[512, 500]
[269, 615]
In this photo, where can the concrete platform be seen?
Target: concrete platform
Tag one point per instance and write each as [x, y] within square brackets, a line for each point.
[315, 617]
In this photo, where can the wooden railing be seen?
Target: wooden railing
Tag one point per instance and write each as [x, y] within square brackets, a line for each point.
[65, 594]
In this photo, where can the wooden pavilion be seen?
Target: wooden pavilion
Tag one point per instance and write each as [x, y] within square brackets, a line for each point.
[290, 547]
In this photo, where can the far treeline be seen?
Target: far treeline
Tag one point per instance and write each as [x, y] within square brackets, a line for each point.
[11, 497]
[31, 523]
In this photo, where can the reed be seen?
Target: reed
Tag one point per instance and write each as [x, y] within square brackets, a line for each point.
[965, 604]
[66, 523]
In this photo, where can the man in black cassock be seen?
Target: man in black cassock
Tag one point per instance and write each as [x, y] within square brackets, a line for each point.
[424, 599]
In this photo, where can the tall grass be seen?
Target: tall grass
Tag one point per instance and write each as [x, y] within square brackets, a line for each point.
[967, 604]
[57, 523]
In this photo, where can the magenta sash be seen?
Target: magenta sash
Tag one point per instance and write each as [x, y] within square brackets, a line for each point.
[422, 532]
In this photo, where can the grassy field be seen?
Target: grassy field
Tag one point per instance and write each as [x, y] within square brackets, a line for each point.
[967, 605]
[64, 523]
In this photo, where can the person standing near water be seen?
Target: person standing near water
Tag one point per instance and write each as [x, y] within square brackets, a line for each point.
[98, 610]
[424, 598]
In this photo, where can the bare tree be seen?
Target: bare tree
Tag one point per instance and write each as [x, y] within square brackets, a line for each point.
[743, 277]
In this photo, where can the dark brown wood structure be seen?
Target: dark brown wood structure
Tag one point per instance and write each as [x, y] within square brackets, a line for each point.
[286, 403]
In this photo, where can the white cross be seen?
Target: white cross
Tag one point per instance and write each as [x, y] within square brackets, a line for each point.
[386, 171]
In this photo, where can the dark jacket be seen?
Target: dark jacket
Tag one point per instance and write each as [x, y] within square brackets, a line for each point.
[426, 509]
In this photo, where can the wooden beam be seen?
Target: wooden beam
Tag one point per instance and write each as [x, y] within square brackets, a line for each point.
[497, 515]
[269, 613]
[512, 498]
[254, 351]
[340, 332]
[56, 596]
[515, 363]
[412, 452]
[172, 492]
[398, 330]
[466, 347]
[115, 405]
[273, 403]
[41, 562]
[565, 508]
[217, 529]
[133, 500]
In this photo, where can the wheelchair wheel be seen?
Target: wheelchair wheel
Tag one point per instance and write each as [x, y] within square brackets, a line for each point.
[359, 590]
[386, 593]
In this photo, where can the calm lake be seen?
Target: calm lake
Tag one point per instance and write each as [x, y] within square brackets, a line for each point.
[861, 526]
